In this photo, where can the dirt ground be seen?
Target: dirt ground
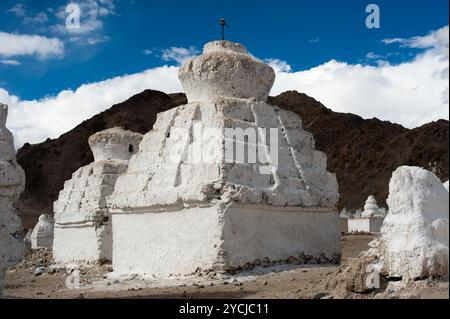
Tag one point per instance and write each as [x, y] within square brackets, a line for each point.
[283, 281]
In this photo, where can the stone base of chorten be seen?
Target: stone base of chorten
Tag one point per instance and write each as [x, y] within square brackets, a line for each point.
[370, 225]
[182, 241]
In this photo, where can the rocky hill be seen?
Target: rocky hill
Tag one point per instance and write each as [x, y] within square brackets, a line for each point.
[362, 153]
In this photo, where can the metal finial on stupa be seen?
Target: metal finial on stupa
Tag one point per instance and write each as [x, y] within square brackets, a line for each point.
[224, 24]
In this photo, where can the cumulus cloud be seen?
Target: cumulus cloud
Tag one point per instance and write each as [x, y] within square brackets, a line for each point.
[34, 121]
[92, 15]
[411, 93]
[279, 65]
[32, 45]
[436, 39]
[179, 54]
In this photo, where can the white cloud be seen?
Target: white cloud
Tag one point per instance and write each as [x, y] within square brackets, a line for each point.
[147, 51]
[27, 16]
[21, 44]
[19, 10]
[279, 65]
[410, 93]
[91, 19]
[179, 54]
[373, 56]
[34, 121]
[92, 16]
[436, 39]
[40, 17]
[10, 62]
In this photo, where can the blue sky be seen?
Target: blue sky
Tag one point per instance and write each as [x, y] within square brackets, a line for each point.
[322, 48]
[305, 33]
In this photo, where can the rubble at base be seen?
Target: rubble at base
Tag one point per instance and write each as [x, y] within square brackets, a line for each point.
[354, 279]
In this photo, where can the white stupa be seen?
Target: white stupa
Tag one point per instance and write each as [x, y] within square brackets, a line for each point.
[414, 237]
[82, 221]
[370, 207]
[212, 187]
[369, 220]
[42, 235]
[12, 183]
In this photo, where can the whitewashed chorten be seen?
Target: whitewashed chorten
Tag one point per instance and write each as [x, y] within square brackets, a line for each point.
[42, 235]
[225, 180]
[82, 220]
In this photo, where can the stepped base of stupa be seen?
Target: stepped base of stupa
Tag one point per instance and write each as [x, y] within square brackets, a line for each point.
[219, 237]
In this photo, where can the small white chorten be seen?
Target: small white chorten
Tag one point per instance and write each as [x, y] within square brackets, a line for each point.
[82, 221]
[369, 220]
[185, 203]
[370, 207]
[42, 235]
[12, 184]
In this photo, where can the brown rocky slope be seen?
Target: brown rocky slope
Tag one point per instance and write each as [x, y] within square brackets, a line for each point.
[362, 153]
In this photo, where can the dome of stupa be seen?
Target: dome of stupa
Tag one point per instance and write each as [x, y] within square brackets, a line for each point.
[226, 70]
[114, 144]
